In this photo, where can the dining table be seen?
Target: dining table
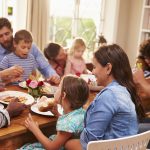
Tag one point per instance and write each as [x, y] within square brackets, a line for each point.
[16, 134]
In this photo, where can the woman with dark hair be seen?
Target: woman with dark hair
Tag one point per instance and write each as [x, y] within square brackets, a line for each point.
[113, 113]
[57, 57]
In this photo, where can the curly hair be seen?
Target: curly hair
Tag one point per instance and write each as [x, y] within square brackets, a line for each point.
[145, 49]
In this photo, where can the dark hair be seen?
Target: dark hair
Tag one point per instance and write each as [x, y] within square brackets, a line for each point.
[145, 49]
[121, 71]
[76, 89]
[23, 35]
[4, 22]
[51, 51]
[102, 39]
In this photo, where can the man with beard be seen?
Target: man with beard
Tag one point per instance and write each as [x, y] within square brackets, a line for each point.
[6, 47]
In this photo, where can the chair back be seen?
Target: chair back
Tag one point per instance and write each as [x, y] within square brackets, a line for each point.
[135, 142]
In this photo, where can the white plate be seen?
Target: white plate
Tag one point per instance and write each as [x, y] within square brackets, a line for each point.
[4, 94]
[86, 77]
[1, 106]
[35, 109]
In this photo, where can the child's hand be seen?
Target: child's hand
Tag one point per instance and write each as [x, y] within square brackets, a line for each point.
[54, 110]
[31, 124]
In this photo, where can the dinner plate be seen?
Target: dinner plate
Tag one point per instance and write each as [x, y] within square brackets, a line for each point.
[35, 109]
[93, 83]
[1, 106]
[88, 77]
[5, 94]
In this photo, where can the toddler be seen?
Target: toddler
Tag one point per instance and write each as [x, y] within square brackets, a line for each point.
[75, 62]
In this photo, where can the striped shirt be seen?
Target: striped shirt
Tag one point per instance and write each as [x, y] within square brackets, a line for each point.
[28, 64]
[43, 66]
[4, 118]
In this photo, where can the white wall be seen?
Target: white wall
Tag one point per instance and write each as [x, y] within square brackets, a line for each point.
[134, 29]
[110, 20]
[122, 25]
[21, 6]
[129, 27]
[19, 13]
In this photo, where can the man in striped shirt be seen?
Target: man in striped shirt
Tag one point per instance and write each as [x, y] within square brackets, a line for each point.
[6, 47]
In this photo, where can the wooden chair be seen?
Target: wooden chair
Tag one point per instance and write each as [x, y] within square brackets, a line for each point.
[135, 142]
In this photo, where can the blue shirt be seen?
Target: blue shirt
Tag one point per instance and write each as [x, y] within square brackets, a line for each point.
[43, 66]
[28, 64]
[111, 115]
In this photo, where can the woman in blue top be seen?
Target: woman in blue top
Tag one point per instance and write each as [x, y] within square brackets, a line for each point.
[112, 114]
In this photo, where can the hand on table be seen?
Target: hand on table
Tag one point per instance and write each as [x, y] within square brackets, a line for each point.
[54, 110]
[53, 80]
[14, 108]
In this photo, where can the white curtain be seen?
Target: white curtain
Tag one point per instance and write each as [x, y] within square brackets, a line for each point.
[38, 21]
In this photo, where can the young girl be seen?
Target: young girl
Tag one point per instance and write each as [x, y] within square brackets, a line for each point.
[72, 97]
[75, 62]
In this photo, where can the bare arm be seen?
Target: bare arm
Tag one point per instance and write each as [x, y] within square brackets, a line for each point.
[68, 67]
[59, 141]
[141, 82]
[73, 144]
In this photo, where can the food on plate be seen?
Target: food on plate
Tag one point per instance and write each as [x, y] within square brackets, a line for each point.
[92, 83]
[8, 99]
[89, 78]
[45, 104]
[47, 89]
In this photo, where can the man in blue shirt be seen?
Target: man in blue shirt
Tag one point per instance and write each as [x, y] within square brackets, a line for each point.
[6, 47]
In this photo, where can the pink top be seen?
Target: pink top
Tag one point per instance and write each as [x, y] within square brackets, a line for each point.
[75, 66]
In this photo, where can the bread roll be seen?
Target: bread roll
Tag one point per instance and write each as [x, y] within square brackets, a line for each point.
[46, 105]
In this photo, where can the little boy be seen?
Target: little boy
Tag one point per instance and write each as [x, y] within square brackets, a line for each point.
[20, 56]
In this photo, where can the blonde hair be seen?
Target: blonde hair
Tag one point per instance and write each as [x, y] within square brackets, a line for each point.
[77, 41]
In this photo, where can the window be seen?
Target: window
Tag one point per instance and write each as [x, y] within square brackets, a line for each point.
[1, 8]
[74, 18]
